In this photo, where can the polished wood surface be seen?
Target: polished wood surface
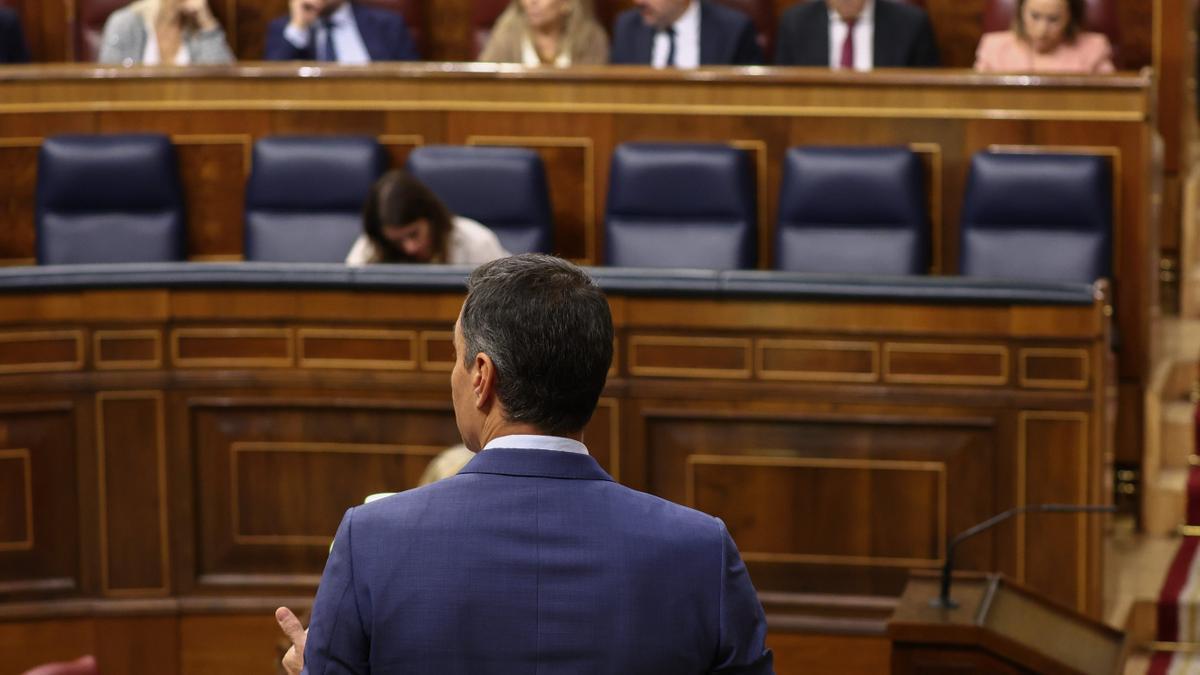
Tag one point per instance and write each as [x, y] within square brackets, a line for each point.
[997, 628]
[173, 474]
[575, 118]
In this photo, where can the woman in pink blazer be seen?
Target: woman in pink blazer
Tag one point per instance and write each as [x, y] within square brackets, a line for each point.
[1046, 36]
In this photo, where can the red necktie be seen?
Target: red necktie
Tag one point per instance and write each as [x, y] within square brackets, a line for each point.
[848, 45]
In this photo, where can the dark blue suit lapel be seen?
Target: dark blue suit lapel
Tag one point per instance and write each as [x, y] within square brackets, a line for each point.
[368, 28]
[645, 43]
[710, 37]
[886, 40]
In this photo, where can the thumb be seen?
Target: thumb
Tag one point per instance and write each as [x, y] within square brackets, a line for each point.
[291, 627]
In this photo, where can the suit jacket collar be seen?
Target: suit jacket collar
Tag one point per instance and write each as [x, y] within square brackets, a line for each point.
[536, 463]
[710, 45]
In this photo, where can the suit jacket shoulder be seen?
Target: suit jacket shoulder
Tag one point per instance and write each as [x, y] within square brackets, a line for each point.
[123, 38]
[12, 38]
[385, 34]
[727, 37]
[903, 37]
[632, 39]
[803, 36]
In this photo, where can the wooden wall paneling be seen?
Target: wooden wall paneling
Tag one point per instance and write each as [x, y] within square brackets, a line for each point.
[18, 173]
[843, 654]
[248, 643]
[40, 530]
[45, 23]
[1053, 450]
[450, 31]
[213, 169]
[140, 644]
[603, 435]
[134, 533]
[26, 645]
[255, 459]
[250, 26]
[717, 459]
[958, 25]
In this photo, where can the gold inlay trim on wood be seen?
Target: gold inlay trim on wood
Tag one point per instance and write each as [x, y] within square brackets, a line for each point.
[762, 346]
[428, 363]
[1026, 381]
[743, 345]
[936, 468]
[285, 361]
[101, 337]
[240, 447]
[76, 363]
[1081, 418]
[160, 438]
[588, 145]
[892, 349]
[305, 335]
[22, 455]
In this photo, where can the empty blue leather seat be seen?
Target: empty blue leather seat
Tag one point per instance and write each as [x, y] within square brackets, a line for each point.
[680, 205]
[852, 210]
[502, 188]
[108, 199]
[305, 196]
[1043, 216]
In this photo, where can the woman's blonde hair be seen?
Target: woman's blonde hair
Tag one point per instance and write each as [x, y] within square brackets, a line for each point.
[580, 16]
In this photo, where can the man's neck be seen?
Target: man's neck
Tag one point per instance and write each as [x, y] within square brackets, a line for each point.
[490, 433]
[678, 16]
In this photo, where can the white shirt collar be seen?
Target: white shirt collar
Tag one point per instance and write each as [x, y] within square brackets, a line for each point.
[534, 442]
[342, 14]
[687, 40]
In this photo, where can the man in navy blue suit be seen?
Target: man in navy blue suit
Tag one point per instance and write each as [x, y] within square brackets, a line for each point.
[684, 34]
[12, 38]
[339, 31]
[856, 34]
[531, 558]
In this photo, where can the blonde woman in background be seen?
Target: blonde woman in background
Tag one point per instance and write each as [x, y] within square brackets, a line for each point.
[547, 32]
[172, 32]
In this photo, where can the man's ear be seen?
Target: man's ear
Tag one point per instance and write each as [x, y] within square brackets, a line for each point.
[483, 381]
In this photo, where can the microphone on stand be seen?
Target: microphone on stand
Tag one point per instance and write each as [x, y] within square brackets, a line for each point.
[943, 600]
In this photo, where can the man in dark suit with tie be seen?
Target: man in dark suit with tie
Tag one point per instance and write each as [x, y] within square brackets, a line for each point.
[684, 34]
[12, 38]
[531, 558]
[856, 34]
[339, 31]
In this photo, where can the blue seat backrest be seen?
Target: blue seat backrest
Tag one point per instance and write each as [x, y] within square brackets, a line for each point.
[109, 199]
[1043, 216]
[502, 188]
[305, 196]
[680, 205]
[852, 210]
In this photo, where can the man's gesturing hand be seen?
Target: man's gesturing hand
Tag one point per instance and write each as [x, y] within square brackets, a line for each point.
[293, 661]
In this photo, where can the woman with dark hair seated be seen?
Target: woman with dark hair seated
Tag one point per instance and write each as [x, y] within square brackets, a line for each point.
[1046, 36]
[403, 221]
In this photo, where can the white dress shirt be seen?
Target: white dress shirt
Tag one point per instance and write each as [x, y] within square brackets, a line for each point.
[687, 40]
[530, 58]
[346, 39]
[864, 38]
[531, 442]
[150, 55]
